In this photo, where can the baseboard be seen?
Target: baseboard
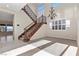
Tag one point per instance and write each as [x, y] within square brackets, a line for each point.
[59, 38]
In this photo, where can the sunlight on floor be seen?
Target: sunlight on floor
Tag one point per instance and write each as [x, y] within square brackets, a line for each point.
[25, 48]
[55, 49]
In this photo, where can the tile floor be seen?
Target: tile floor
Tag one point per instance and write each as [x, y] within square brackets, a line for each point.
[38, 47]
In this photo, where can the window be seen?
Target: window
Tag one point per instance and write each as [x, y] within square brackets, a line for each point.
[6, 27]
[60, 24]
[9, 28]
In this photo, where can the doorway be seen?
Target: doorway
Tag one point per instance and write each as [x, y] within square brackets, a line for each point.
[6, 27]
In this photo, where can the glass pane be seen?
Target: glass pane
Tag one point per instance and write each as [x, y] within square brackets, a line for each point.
[55, 22]
[53, 27]
[6, 27]
[56, 27]
[2, 27]
[50, 24]
[9, 28]
[67, 23]
[59, 21]
[63, 27]
[59, 27]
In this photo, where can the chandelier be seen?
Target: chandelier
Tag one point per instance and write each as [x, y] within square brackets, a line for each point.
[52, 14]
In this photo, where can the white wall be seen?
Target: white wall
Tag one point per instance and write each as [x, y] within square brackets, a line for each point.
[23, 20]
[65, 12]
[40, 33]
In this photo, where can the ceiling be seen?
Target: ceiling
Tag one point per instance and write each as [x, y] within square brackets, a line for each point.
[12, 6]
[18, 6]
[4, 16]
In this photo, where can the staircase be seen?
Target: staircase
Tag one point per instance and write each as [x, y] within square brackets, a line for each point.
[31, 29]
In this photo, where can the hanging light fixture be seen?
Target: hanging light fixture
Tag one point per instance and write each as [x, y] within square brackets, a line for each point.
[52, 14]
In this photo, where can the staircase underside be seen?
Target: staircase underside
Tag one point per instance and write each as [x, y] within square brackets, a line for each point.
[25, 36]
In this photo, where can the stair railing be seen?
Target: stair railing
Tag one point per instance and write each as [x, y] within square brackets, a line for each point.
[30, 13]
[41, 19]
[30, 25]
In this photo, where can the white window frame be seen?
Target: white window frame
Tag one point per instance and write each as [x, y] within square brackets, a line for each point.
[64, 22]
